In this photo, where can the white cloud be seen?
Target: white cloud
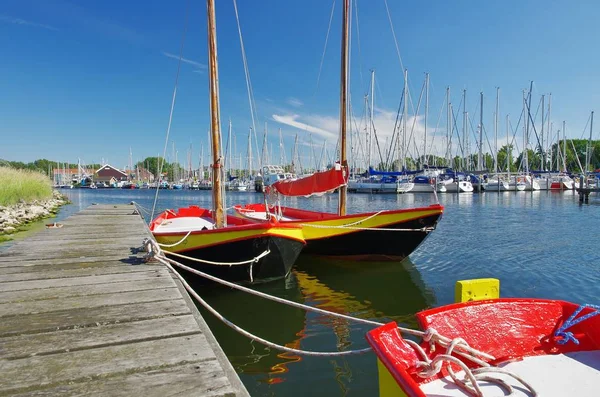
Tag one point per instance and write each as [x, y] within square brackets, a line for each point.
[201, 67]
[19, 21]
[327, 127]
[292, 121]
[295, 102]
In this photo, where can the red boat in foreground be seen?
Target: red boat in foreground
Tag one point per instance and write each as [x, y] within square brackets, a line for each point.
[536, 347]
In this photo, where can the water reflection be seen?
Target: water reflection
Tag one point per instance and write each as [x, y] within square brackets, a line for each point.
[381, 291]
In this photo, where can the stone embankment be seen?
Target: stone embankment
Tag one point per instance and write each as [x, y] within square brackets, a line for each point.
[12, 217]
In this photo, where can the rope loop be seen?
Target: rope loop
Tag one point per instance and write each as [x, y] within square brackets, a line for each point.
[177, 243]
[246, 262]
[566, 336]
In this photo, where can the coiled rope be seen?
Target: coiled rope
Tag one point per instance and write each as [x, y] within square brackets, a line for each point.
[470, 382]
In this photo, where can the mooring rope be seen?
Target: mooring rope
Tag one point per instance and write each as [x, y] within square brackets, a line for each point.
[384, 229]
[177, 243]
[250, 335]
[253, 260]
[469, 384]
[428, 335]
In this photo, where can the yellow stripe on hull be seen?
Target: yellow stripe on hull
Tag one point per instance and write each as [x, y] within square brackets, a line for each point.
[318, 229]
[212, 238]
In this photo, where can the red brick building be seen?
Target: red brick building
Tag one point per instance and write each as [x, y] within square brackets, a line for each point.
[109, 174]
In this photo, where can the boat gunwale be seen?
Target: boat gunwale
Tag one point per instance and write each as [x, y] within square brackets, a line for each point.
[436, 209]
[333, 216]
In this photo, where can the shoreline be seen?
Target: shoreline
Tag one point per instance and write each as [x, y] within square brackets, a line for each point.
[14, 217]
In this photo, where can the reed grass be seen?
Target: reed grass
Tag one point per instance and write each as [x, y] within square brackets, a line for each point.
[17, 185]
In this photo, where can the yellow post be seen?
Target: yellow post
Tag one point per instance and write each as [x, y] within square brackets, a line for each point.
[476, 290]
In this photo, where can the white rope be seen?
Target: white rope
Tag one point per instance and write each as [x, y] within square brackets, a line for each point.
[365, 219]
[384, 229]
[429, 336]
[349, 226]
[470, 382]
[252, 336]
[253, 260]
[177, 243]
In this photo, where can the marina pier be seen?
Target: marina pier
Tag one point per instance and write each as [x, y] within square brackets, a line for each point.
[82, 313]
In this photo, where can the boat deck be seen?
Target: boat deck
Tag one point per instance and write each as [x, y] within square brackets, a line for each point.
[185, 224]
[82, 314]
[574, 373]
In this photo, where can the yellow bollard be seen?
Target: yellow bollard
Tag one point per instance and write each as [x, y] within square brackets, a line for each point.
[476, 290]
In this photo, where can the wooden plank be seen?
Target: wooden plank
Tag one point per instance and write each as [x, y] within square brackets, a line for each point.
[81, 252]
[81, 290]
[101, 220]
[52, 321]
[84, 280]
[109, 206]
[202, 379]
[22, 346]
[107, 361]
[90, 233]
[67, 261]
[77, 302]
[22, 273]
[90, 242]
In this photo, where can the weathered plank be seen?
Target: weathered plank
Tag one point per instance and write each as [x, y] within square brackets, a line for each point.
[96, 336]
[84, 280]
[81, 290]
[90, 233]
[79, 252]
[106, 361]
[52, 242]
[78, 302]
[22, 273]
[26, 262]
[67, 319]
[202, 379]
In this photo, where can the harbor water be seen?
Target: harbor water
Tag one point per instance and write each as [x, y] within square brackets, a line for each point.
[539, 244]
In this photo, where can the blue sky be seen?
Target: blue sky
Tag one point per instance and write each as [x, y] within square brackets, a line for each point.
[90, 79]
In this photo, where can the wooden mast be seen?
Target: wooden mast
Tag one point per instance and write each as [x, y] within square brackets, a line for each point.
[343, 103]
[215, 121]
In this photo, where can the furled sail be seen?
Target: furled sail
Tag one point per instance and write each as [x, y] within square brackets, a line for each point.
[316, 184]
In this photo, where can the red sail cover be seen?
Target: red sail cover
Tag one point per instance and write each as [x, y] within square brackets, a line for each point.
[316, 184]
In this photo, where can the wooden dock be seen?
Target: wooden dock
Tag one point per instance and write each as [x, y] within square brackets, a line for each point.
[82, 314]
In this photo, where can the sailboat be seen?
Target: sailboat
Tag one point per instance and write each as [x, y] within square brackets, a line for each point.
[225, 246]
[385, 234]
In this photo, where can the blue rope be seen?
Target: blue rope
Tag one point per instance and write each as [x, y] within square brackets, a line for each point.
[568, 336]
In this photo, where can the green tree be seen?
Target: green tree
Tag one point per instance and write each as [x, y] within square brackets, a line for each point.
[152, 164]
[504, 152]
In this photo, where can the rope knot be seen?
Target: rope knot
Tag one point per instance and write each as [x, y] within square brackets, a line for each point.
[565, 337]
[430, 368]
[430, 334]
